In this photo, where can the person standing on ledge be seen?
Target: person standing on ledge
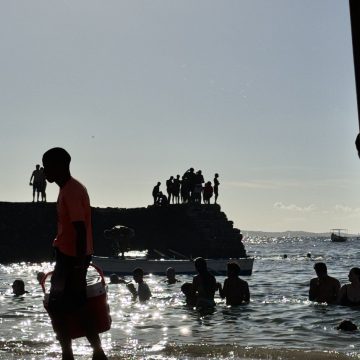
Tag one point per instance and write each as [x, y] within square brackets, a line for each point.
[73, 249]
[36, 182]
[216, 187]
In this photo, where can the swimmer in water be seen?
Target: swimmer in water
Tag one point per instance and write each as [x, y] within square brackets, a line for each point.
[40, 276]
[143, 292]
[170, 276]
[18, 287]
[190, 295]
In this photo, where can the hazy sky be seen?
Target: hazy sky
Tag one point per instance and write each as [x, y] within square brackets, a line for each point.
[260, 91]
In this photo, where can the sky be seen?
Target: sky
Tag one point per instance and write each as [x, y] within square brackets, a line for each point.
[260, 91]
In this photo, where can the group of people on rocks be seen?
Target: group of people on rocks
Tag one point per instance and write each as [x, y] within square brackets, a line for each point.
[38, 183]
[191, 187]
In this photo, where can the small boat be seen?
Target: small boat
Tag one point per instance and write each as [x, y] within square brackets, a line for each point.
[118, 265]
[337, 236]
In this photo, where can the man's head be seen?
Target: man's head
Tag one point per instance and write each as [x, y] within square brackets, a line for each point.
[37, 166]
[320, 269]
[170, 273]
[233, 269]
[138, 275]
[56, 163]
[200, 265]
[18, 287]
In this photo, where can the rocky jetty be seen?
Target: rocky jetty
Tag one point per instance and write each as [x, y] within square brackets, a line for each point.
[27, 230]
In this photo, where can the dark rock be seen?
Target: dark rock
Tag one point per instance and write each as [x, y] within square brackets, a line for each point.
[28, 229]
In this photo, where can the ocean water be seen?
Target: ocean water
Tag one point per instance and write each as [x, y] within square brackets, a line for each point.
[279, 323]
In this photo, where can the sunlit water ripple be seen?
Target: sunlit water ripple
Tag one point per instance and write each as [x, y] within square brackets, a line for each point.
[279, 323]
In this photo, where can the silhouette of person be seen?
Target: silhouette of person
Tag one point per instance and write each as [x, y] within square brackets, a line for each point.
[347, 325]
[208, 192]
[73, 248]
[36, 181]
[199, 180]
[155, 192]
[216, 186]
[235, 290]
[349, 294]
[190, 295]
[18, 287]
[185, 189]
[204, 284]
[143, 292]
[169, 188]
[189, 176]
[170, 276]
[162, 200]
[323, 288]
[176, 189]
[43, 185]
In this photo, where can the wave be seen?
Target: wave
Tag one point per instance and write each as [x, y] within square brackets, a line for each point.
[193, 351]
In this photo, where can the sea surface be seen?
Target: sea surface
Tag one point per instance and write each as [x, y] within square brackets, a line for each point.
[279, 323]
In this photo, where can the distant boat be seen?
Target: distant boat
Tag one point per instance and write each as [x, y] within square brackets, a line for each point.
[337, 236]
[121, 266]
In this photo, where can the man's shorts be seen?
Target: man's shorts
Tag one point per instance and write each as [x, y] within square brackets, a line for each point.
[68, 284]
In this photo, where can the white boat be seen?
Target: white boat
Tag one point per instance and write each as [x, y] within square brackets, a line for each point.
[117, 265]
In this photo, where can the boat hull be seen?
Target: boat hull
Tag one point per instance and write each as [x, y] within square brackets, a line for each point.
[338, 238]
[126, 266]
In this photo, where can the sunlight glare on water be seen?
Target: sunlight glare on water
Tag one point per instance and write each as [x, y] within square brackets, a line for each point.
[279, 323]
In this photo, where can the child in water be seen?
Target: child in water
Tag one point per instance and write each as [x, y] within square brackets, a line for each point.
[143, 292]
[235, 290]
[190, 295]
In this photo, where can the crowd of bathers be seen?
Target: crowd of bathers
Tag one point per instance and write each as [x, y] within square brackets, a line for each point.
[191, 187]
[201, 291]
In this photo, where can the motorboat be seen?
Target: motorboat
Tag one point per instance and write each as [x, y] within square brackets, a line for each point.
[338, 235]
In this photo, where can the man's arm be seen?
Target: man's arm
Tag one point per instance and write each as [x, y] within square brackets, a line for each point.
[32, 175]
[313, 291]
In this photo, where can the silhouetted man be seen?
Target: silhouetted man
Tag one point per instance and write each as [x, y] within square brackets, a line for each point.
[216, 186]
[73, 247]
[156, 191]
[323, 288]
[36, 181]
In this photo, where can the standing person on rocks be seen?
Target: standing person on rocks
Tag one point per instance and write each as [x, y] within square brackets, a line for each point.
[73, 249]
[198, 188]
[216, 187]
[36, 182]
[43, 185]
[156, 191]
[207, 192]
[169, 188]
[176, 189]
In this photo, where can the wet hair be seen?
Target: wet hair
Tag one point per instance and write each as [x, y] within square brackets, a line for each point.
[200, 264]
[138, 272]
[114, 278]
[356, 271]
[187, 288]
[18, 287]
[320, 267]
[233, 268]
[58, 156]
[347, 325]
